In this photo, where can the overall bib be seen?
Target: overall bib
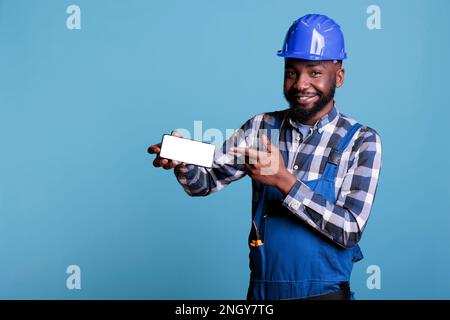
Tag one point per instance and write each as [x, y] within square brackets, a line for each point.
[288, 258]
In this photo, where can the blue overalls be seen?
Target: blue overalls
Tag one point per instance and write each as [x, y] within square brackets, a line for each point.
[288, 258]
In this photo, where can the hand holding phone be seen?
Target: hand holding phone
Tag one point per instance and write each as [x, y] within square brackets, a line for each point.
[163, 162]
[175, 149]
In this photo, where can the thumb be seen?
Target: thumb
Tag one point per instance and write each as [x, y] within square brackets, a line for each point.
[176, 134]
[267, 143]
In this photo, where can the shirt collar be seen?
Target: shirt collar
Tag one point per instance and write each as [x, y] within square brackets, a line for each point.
[322, 122]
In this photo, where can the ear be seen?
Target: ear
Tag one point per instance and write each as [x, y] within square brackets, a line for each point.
[340, 74]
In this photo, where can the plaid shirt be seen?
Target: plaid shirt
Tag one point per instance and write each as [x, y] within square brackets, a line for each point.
[356, 180]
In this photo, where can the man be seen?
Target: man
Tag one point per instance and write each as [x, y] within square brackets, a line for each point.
[313, 185]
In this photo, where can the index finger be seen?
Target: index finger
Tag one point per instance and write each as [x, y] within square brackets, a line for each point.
[251, 153]
[176, 134]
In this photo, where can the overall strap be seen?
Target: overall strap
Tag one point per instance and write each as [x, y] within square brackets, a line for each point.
[263, 190]
[334, 158]
[348, 137]
[336, 153]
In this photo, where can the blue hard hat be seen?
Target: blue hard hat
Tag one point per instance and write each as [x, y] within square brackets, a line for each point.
[314, 37]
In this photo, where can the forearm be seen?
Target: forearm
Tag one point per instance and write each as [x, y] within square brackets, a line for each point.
[199, 181]
[286, 182]
[193, 179]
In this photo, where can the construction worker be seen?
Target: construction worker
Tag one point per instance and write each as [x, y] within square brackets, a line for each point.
[310, 209]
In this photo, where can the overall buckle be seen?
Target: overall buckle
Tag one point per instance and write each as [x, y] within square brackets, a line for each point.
[335, 156]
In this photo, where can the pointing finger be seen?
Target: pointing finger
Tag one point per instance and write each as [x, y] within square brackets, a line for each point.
[267, 142]
[248, 152]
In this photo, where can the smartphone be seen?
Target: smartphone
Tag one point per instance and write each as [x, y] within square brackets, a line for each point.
[187, 151]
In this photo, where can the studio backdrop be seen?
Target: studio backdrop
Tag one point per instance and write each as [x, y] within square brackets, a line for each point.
[87, 85]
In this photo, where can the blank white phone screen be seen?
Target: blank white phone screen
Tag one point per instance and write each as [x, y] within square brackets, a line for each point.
[188, 151]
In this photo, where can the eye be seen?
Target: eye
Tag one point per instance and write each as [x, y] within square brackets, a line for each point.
[316, 73]
[290, 74]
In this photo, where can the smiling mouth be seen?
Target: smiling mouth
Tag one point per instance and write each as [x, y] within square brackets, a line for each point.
[305, 99]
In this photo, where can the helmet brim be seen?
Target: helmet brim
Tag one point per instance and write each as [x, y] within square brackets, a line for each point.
[308, 56]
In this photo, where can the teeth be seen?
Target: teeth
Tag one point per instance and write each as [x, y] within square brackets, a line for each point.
[303, 98]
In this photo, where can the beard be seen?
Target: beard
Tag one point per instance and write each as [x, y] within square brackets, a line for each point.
[301, 113]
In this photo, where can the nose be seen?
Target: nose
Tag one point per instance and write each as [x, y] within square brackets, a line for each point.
[303, 82]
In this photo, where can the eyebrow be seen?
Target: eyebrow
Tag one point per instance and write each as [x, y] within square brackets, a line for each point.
[308, 64]
[314, 64]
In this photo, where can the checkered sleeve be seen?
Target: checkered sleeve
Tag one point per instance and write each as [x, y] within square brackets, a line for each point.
[226, 168]
[344, 221]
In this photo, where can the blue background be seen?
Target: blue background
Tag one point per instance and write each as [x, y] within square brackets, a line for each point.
[80, 107]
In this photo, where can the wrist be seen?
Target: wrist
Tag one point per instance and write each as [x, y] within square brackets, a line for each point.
[181, 168]
[286, 181]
